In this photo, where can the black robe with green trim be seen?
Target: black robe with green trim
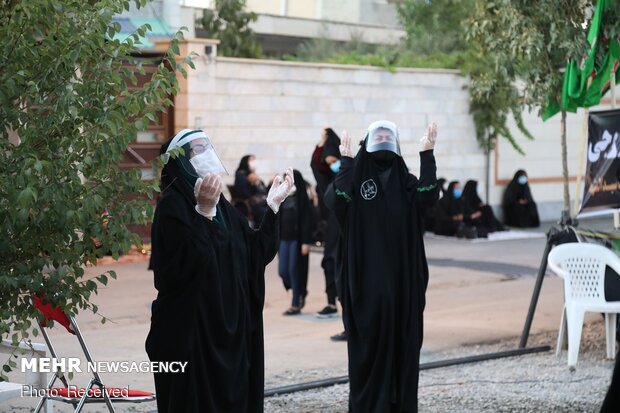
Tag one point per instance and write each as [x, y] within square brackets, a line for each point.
[383, 277]
[208, 312]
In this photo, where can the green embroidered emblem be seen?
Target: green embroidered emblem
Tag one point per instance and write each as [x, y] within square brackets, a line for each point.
[427, 188]
[344, 194]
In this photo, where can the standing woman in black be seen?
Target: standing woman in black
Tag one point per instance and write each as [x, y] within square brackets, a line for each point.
[295, 239]
[209, 273]
[249, 187]
[384, 272]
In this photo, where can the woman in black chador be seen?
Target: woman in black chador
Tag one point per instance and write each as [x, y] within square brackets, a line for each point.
[519, 206]
[250, 188]
[295, 239]
[449, 213]
[479, 214]
[611, 404]
[209, 273]
[384, 273]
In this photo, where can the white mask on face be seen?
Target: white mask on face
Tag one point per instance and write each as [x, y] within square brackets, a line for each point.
[207, 163]
[252, 166]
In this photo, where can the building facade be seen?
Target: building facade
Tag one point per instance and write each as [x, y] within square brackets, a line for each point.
[276, 109]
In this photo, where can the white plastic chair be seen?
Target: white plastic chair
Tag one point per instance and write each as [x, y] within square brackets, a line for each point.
[582, 266]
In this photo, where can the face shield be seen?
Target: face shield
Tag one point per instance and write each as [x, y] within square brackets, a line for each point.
[199, 151]
[382, 136]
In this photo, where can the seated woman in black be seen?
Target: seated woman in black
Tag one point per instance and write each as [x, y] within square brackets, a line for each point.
[441, 183]
[449, 211]
[519, 206]
[452, 217]
[477, 212]
[249, 187]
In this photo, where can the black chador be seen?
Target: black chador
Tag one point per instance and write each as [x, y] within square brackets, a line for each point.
[384, 274]
[210, 281]
[519, 207]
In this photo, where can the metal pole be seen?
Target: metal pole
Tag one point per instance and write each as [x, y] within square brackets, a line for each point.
[584, 144]
[487, 182]
[536, 293]
[613, 106]
[424, 366]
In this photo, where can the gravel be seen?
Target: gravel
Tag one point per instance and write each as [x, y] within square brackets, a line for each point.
[539, 382]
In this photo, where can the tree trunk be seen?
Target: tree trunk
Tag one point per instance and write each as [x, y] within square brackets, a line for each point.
[566, 211]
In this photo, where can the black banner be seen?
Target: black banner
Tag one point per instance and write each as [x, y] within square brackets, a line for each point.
[602, 181]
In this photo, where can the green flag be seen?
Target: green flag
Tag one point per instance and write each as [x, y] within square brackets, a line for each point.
[575, 91]
[602, 81]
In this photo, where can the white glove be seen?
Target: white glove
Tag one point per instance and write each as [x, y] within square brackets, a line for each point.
[280, 189]
[428, 140]
[207, 192]
[345, 146]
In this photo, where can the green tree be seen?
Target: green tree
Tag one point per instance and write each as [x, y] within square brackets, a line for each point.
[528, 45]
[68, 114]
[230, 24]
[435, 27]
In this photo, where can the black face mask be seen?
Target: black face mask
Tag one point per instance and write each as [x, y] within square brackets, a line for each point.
[383, 159]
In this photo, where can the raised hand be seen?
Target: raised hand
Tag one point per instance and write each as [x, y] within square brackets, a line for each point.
[207, 192]
[280, 189]
[428, 140]
[345, 145]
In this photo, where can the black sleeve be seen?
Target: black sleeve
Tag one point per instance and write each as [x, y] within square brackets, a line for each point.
[427, 190]
[267, 236]
[343, 190]
[179, 246]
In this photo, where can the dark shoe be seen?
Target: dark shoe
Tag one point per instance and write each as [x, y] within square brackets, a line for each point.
[302, 301]
[330, 310]
[339, 337]
[292, 311]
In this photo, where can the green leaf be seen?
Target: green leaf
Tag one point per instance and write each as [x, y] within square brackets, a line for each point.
[74, 126]
[27, 197]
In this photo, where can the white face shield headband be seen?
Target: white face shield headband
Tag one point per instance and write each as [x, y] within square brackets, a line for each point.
[383, 136]
[204, 160]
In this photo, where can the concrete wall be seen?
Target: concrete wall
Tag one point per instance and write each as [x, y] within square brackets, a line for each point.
[264, 6]
[276, 110]
[341, 11]
[543, 160]
[378, 12]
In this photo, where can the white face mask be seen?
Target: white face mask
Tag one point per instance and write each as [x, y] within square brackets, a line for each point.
[207, 163]
[522, 179]
[252, 166]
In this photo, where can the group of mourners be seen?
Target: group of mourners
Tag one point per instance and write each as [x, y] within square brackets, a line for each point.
[209, 267]
[304, 220]
[460, 212]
